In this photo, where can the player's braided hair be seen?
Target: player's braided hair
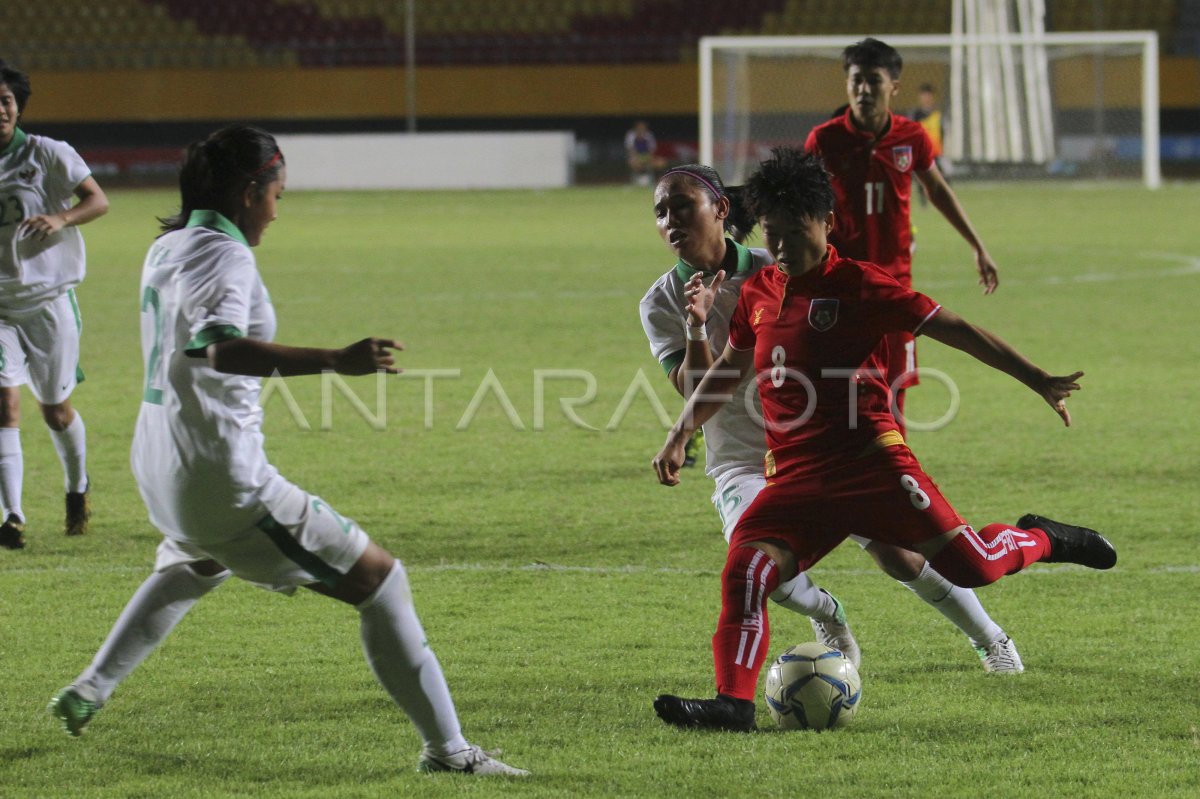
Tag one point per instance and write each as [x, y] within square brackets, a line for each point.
[17, 82]
[218, 169]
[791, 181]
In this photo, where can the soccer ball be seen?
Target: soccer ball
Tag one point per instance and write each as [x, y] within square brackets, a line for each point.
[812, 687]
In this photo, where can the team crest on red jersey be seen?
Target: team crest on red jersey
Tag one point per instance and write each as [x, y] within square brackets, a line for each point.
[903, 157]
[822, 314]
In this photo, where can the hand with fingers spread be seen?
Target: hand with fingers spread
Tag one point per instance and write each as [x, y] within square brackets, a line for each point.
[1056, 389]
[367, 356]
[700, 297]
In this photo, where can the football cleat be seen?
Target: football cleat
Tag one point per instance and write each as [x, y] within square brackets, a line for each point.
[836, 634]
[12, 533]
[471, 760]
[722, 713]
[72, 710]
[79, 511]
[1071, 544]
[1000, 657]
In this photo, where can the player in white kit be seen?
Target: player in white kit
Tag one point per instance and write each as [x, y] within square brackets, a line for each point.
[687, 323]
[42, 259]
[207, 329]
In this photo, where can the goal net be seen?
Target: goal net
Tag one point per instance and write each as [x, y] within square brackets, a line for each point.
[1013, 106]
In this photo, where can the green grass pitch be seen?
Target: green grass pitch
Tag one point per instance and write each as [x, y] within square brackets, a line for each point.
[562, 588]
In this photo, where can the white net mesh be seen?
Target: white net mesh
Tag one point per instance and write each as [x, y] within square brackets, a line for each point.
[1011, 107]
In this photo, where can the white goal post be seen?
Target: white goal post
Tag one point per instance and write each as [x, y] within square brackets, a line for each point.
[1015, 105]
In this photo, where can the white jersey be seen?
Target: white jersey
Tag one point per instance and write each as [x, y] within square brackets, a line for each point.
[734, 437]
[198, 451]
[38, 176]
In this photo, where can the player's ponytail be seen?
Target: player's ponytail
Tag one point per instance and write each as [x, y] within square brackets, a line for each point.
[218, 169]
[741, 222]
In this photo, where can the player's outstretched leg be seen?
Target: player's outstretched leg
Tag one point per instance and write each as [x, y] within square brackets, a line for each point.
[1071, 544]
[739, 647]
[152, 612]
[397, 651]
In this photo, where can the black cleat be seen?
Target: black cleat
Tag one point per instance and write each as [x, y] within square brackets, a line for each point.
[79, 512]
[12, 533]
[1071, 544]
[722, 713]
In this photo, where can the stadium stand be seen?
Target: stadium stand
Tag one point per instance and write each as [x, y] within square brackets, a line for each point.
[66, 34]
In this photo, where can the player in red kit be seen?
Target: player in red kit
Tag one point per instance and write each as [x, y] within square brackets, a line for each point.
[873, 155]
[810, 326]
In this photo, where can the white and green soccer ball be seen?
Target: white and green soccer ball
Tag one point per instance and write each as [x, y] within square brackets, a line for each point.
[812, 687]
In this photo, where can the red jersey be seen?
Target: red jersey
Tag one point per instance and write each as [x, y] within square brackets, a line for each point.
[872, 185]
[815, 338]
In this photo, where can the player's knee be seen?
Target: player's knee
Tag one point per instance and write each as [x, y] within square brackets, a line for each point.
[898, 563]
[208, 568]
[58, 416]
[10, 406]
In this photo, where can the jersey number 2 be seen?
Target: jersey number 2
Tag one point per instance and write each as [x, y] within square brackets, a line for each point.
[151, 393]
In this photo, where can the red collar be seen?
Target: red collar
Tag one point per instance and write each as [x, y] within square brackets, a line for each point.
[782, 277]
[848, 124]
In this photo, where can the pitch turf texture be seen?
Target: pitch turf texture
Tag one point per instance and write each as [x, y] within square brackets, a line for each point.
[563, 589]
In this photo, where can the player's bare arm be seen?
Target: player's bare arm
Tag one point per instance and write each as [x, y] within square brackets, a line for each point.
[93, 204]
[255, 358]
[954, 331]
[713, 392]
[697, 357]
[943, 198]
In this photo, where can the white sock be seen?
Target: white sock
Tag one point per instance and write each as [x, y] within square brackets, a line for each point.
[153, 611]
[802, 595]
[406, 667]
[959, 605]
[71, 444]
[12, 471]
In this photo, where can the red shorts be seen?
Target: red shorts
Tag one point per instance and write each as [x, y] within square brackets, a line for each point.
[885, 497]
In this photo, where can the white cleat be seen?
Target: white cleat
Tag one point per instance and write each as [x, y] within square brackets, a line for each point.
[1000, 657]
[837, 633]
[471, 760]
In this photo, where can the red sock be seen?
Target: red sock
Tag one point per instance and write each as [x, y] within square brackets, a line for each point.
[973, 559]
[740, 642]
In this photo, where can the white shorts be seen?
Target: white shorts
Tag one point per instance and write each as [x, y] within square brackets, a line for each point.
[41, 348]
[301, 541]
[734, 495]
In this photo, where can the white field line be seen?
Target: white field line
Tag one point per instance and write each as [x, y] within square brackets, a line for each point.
[607, 571]
[1186, 266]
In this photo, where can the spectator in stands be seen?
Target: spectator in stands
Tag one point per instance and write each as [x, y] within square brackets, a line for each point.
[929, 116]
[641, 155]
[41, 262]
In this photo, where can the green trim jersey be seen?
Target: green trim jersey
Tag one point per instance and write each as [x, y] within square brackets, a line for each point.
[198, 453]
[734, 437]
[38, 175]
